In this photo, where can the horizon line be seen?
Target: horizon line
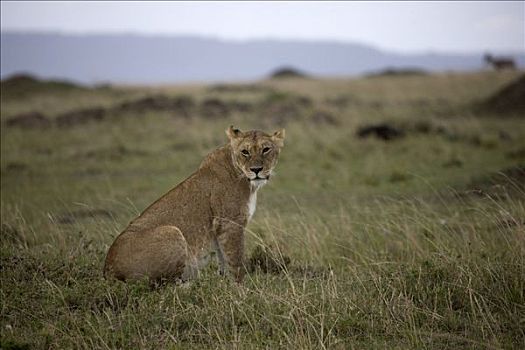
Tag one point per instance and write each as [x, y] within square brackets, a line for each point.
[423, 51]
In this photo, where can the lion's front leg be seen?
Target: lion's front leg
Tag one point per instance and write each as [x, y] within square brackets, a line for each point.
[220, 256]
[231, 244]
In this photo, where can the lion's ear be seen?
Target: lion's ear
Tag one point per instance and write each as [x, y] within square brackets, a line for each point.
[278, 137]
[233, 133]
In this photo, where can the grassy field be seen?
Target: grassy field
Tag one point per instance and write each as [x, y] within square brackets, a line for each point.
[415, 242]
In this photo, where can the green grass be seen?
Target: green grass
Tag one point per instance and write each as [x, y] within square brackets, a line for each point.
[356, 243]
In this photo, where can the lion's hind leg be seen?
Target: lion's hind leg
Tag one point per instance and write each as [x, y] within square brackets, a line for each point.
[157, 254]
[169, 256]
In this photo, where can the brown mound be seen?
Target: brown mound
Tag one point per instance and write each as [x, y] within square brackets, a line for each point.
[390, 130]
[213, 108]
[182, 105]
[81, 116]
[21, 85]
[509, 100]
[19, 79]
[382, 131]
[288, 72]
[29, 120]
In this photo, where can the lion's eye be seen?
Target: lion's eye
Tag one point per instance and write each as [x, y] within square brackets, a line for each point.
[245, 153]
[266, 150]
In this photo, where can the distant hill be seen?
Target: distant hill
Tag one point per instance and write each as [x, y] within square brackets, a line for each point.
[173, 59]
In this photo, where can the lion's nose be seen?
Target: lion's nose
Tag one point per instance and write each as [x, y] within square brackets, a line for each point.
[256, 169]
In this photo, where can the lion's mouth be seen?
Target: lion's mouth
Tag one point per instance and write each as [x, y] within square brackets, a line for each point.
[260, 178]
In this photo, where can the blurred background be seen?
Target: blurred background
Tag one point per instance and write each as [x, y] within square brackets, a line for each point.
[173, 42]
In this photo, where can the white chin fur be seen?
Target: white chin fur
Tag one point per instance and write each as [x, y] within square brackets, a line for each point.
[256, 184]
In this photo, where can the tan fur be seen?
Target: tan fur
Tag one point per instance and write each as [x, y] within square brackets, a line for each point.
[173, 237]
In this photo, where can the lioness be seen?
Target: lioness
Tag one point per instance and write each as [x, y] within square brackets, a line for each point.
[172, 238]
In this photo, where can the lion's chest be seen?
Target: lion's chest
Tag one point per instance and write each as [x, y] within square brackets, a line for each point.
[252, 203]
[252, 200]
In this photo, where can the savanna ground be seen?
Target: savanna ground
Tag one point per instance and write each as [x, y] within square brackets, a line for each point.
[415, 242]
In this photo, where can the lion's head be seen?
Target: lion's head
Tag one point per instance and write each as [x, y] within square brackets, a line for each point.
[255, 153]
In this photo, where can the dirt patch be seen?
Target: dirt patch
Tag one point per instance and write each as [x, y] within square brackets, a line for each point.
[381, 131]
[72, 216]
[509, 100]
[29, 120]
[267, 260]
[81, 116]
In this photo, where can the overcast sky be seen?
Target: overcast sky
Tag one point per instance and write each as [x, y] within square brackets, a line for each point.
[403, 26]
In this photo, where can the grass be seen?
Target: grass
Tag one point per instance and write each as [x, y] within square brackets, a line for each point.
[356, 243]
